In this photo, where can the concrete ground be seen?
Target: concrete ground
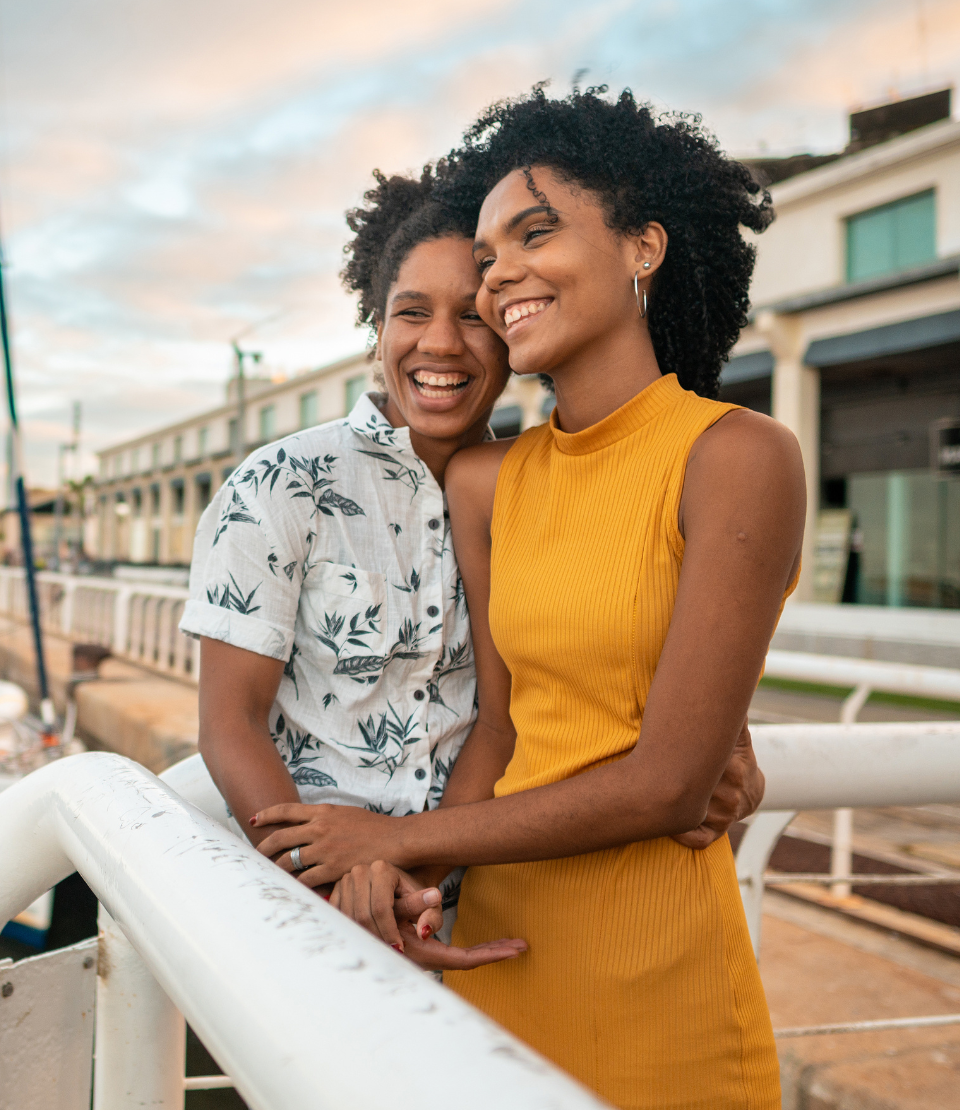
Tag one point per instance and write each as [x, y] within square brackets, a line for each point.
[818, 968]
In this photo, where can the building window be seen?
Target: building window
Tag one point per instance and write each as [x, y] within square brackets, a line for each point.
[154, 500]
[135, 460]
[155, 456]
[233, 436]
[137, 499]
[892, 237]
[203, 491]
[176, 487]
[177, 448]
[203, 441]
[353, 388]
[268, 422]
[308, 410]
[117, 465]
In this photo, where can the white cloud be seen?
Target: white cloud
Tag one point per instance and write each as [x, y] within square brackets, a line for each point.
[172, 172]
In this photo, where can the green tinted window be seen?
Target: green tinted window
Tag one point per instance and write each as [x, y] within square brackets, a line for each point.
[353, 388]
[893, 237]
[268, 422]
[308, 410]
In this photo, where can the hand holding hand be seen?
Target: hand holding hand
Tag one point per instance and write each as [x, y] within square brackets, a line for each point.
[380, 897]
[738, 794]
[394, 907]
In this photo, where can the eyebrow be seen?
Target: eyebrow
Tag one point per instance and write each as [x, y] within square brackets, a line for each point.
[409, 295]
[479, 244]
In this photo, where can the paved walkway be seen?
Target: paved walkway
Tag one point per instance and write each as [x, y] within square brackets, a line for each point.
[818, 967]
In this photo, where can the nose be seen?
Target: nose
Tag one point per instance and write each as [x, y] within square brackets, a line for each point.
[441, 336]
[503, 270]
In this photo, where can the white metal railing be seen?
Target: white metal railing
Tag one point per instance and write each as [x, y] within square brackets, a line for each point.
[137, 621]
[299, 1005]
[865, 676]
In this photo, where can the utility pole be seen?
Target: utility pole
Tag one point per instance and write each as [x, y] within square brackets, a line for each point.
[240, 356]
[47, 712]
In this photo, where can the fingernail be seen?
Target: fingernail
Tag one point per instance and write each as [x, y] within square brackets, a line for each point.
[325, 897]
[253, 819]
[398, 948]
[431, 897]
[425, 932]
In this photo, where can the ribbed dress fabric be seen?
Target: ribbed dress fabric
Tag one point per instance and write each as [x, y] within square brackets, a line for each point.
[640, 980]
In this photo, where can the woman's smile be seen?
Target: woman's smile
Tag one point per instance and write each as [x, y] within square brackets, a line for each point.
[440, 383]
[517, 312]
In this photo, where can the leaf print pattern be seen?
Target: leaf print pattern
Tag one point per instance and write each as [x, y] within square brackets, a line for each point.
[304, 477]
[236, 512]
[310, 776]
[289, 671]
[411, 584]
[459, 658]
[409, 476]
[386, 741]
[227, 598]
[359, 643]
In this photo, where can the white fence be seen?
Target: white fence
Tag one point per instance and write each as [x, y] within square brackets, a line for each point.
[137, 621]
[297, 1003]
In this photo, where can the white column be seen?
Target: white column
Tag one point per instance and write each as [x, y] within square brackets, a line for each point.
[141, 1035]
[898, 534]
[796, 403]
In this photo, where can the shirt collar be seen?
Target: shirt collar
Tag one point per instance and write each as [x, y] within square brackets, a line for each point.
[367, 419]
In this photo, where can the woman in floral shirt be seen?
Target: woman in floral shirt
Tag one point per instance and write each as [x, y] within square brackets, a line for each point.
[336, 662]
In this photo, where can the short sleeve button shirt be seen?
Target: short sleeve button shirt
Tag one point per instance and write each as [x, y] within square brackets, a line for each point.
[330, 550]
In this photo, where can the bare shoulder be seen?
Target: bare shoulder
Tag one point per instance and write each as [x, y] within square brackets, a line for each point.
[748, 446]
[745, 470]
[471, 477]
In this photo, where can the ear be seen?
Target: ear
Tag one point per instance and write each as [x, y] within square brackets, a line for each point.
[647, 246]
[376, 351]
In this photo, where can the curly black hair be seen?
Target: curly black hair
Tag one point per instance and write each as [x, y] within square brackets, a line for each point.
[400, 213]
[644, 167]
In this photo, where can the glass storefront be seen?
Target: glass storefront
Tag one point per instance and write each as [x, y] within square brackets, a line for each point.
[905, 548]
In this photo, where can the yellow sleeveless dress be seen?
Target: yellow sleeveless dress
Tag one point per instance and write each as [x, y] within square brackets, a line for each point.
[640, 979]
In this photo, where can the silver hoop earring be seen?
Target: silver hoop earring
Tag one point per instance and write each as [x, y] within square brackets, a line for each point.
[636, 292]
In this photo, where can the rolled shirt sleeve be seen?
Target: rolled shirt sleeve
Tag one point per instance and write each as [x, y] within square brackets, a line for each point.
[244, 576]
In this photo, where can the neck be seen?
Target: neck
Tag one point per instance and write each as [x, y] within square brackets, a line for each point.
[603, 377]
[436, 453]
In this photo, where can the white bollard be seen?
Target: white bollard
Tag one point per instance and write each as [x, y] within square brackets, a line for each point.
[141, 1035]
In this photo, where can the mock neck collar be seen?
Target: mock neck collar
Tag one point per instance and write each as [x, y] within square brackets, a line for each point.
[624, 421]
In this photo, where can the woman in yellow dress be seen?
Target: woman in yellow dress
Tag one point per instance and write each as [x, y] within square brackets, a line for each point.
[633, 556]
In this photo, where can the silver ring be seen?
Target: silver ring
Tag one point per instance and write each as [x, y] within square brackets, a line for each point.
[295, 858]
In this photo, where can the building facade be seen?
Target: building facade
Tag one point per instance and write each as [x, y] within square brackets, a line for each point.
[854, 343]
[151, 490]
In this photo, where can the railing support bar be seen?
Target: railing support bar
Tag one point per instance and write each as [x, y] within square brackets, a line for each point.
[753, 855]
[141, 1036]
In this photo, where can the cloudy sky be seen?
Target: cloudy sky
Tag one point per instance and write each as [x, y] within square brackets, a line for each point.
[175, 171]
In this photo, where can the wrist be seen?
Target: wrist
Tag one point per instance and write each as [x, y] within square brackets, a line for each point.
[407, 848]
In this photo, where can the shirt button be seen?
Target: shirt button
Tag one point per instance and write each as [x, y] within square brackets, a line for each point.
[419, 695]
[433, 524]
[432, 611]
[419, 773]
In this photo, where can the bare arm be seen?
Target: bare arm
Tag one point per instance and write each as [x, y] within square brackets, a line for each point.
[237, 689]
[742, 517]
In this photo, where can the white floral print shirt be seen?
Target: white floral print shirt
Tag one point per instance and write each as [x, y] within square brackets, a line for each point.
[331, 551]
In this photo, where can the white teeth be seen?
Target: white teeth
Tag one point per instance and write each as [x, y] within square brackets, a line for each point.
[440, 382]
[518, 312]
